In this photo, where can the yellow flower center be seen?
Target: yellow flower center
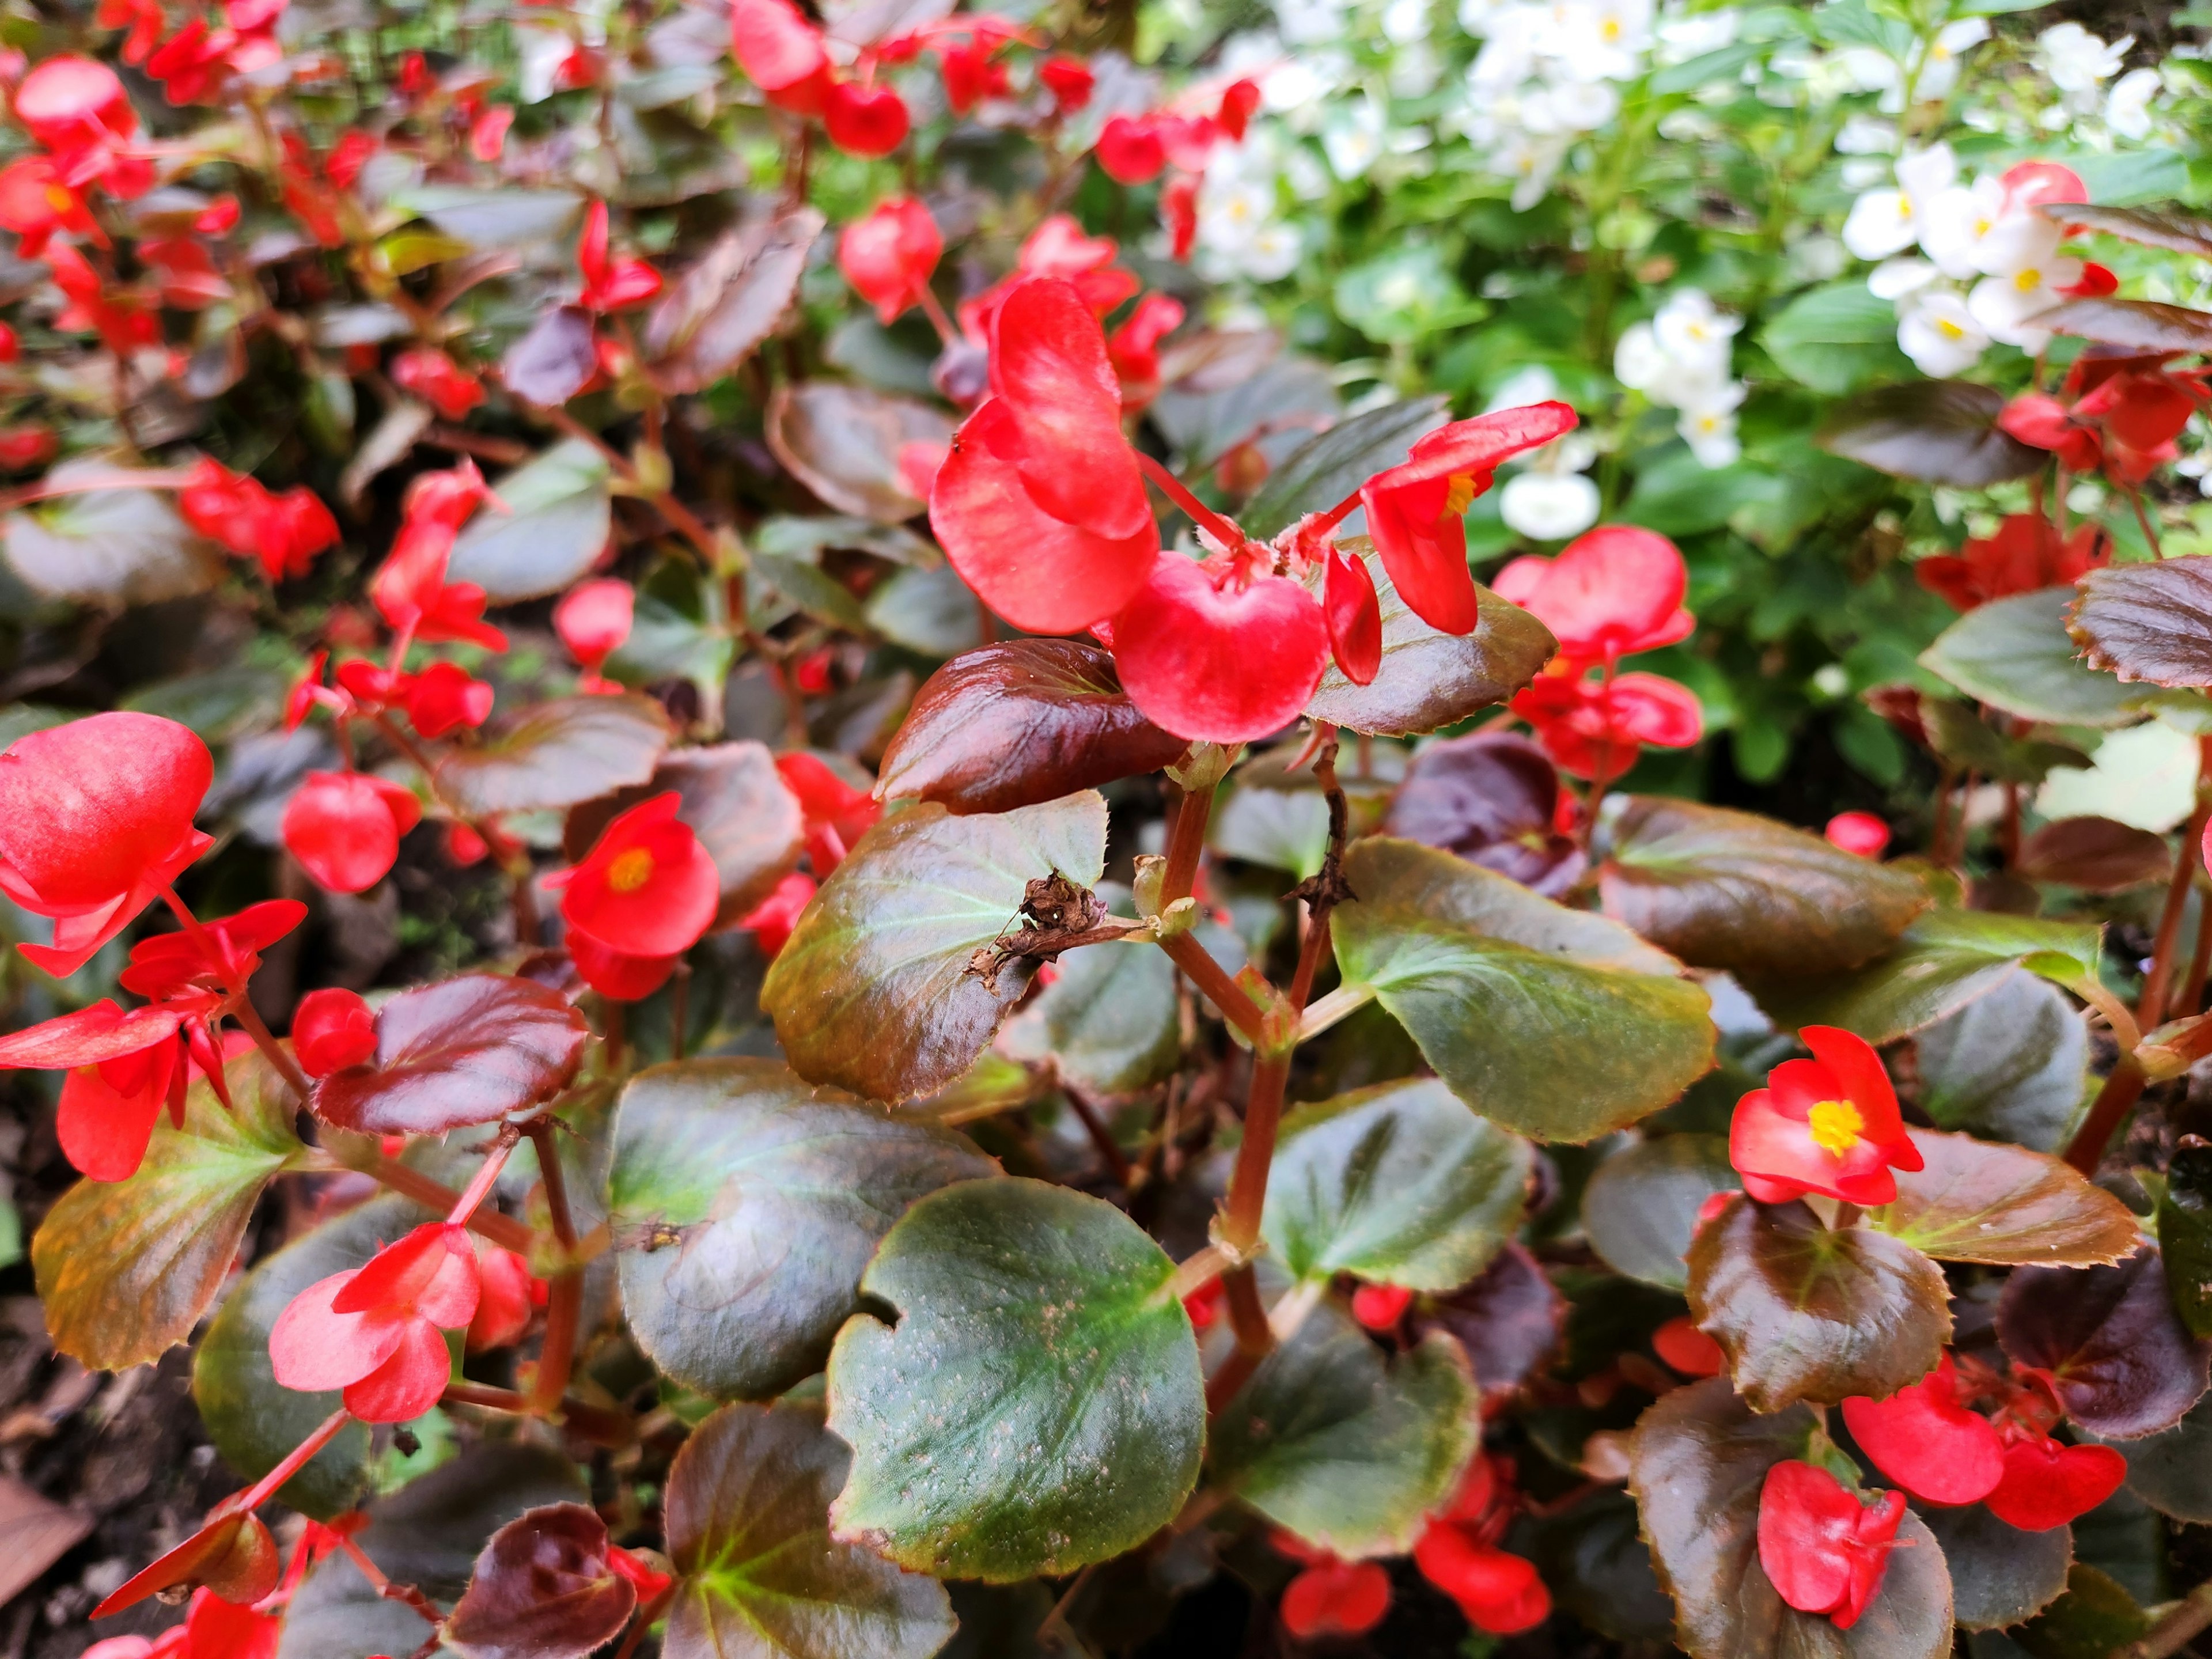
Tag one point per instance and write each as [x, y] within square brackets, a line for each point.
[1835, 1124]
[632, 870]
[1950, 330]
[1461, 496]
[2028, 281]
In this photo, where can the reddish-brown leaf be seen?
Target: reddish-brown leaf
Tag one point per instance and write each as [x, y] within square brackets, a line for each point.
[541, 1589]
[466, 1050]
[717, 311]
[2100, 855]
[2138, 324]
[2149, 622]
[2178, 232]
[1944, 431]
[842, 442]
[2122, 1361]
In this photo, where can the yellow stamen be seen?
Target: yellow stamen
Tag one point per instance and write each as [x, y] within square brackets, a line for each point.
[1461, 496]
[1835, 1125]
[630, 871]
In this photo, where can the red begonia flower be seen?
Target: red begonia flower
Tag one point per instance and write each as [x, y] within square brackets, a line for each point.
[2026, 553]
[438, 380]
[1827, 1125]
[27, 448]
[609, 284]
[35, 203]
[284, 532]
[488, 132]
[1133, 348]
[775, 916]
[972, 74]
[1416, 512]
[1823, 1549]
[142, 18]
[2047, 1485]
[1335, 1598]
[618, 974]
[194, 971]
[865, 120]
[781, 53]
[889, 256]
[2143, 410]
[1380, 1307]
[836, 813]
[1070, 82]
[1179, 215]
[1355, 617]
[1499, 1592]
[95, 820]
[123, 1068]
[1687, 1349]
[344, 827]
[505, 1296]
[1929, 1443]
[77, 109]
[1239, 100]
[593, 618]
[214, 1629]
[231, 1557]
[2028, 182]
[444, 697]
[1130, 150]
[1041, 506]
[1060, 248]
[1858, 832]
[1207, 657]
[375, 1331]
[409, 588]
[1590, 726]
[2096, 281]
[331, 1030]
[648, 888]
[1613, 591]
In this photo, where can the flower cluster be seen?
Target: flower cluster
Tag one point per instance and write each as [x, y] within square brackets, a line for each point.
[1679, 361]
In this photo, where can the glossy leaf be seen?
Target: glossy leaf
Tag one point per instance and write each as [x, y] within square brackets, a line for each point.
[1283, 830]
[542, 1588]
[1428, 679]
[2015, 653]
[1980, 1200]
[842, 442]
[930, 611]
[736, 804]
[1964, 737]
[746, 1204]
[2172, 1470]
[1942, 431]
[462, 1051]
[252, 1419]
[1598, 1568]
[1641, 1204]
[748, 1519]
[1344, 1447]
[1019, 723]
[2000, 1575]
[1109, 1021]
[1492, 797]
[2008, 1066]
[2179, 233]
[2122, 1363]
[554, 359]
[503, 218]
[1805, 1312]
[558, 517]
[2184, 1234]
[1835, 338]
[1399, 1184]
[1698, 1462]
[1038, 1405]
[1553, 1021]
[1722, 888]
[873, 993]
[2096, 1618]
[126, 1269]
[2137, 325]
[1508, 1322]
[108, 547]
[556, 754]
[2149, 622]
[1945, 959]
[712, 316]
[1326, 468]
[2098, 855]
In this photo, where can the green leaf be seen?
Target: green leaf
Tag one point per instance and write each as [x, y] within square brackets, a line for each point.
[1945, 959]
[1696, 1463]
[748, 1527]
[2016, 654]
[1964, 737]
[1722, 888]
[2009, 1065]
[1325, 470]
[1109, 1023]
[126, 1268]
[556, 754]
[873, 993]
[746, 1204]
[2094, 1619]
[811, 588]
[2172, 1470]
[1807, 1312]
[1834, 339]
[1037, 1406]
[1344, 1447]
[930, 611]
[1554, 1022]
[1281, 829]
[109, 547]
[253, 1420]
[1427, 680]
[559, 515]
[1598, 1568]
[1399, 1184]
[1999, 1574]
[1641, 1204]
[1978, 1200]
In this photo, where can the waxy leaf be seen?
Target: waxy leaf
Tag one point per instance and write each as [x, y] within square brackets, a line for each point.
[1945, 959]
[2149, 622]
[1325, 469]
[2121, 1360]
[746, 1204]
[558, 753]
[253, 1420]
[1429, 679]
[2172, 1470]
[2009, 1065]
[1508, 1322]
[542, 1588]
[1721, 888]
[842, 442]
[1806, 1312]
[1018, 724]
[1978, 1200]
[2098, 855]
[2095, 1619]
[748, 1519]
[1999, 1574]
[1109, 1023]
[2137, 325]
[1399, 1184]
[1280, 829]
[2016, 654]
[1553, 1021]
[2179, 233]
[1599, 1569]
[1490, 797]
[554, 360]
[1037, 1406]
[1943, 431]
[1698, 1462]
[2185, 1234]
[1641, 1204]
[109, 546]
[1344, 1447]
[874, 993]
[126, 1268]
[462, 1051]
[717, 311]
[736, 804]
[558, 516]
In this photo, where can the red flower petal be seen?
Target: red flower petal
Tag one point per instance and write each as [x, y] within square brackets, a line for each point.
[616, 974]
[1223, 666]
[102, 1031]
[313, 1348]
[775, 44]
[104, 1130]
[889, 256]
[1355, 617]
[865, 120]
[431, 1274]
[1130, 150]
[87, 809]
[1380, 1307]
[1336, 1598]
[1922, 1438]
[1499, 1592]
[1050, 367]
[1822, 1549]
[1613, 591]
[648, 888]
[2047, 1485]
[331, 1030]
[1687, 1349]
[593, 618]
[408, 1384]
[344, 827]
[1862, 833]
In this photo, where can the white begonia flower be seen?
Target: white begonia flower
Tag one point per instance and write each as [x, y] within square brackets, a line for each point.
[1548, 507]
[1533, 163]
[1940, 334]
[1939, 69]
[1863, 135]
[1866, 69]
[2021, 242]
[1310, 22]
[1570, 106]
[1415, 69]
[1405, 21]
[1886, 222]
[1684, 37]
[1695, 332]
[1510, 50]
[1305, 175]
[2077, 61]
[1709, 428]
[1959, 221]
[2007, 306]
[1353, 138]
[1273, 252]
[2127, 108]
[1601, 40]
[1893, 279]
[1638, 363]
[1232, 210]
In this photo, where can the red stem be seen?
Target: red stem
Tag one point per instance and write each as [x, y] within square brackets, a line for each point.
[260, 1491]
[1222, 530]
